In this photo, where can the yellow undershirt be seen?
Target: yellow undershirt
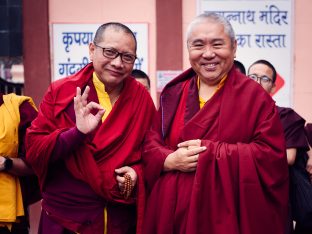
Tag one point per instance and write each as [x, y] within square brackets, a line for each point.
[105, 102]
[103, 96]
[202, 102]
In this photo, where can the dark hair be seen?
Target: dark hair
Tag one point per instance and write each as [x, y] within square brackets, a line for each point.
[240, 66]
[136, 73]
[267, 63]
[115, 25]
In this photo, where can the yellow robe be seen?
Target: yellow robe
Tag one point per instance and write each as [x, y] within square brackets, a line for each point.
[11, 203]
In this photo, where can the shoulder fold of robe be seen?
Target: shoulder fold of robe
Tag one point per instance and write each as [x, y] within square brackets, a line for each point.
[308, 131]
[293, 125]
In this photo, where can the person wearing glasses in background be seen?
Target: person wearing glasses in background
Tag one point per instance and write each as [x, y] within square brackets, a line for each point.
[85, 143]
[214, 161]
[263, 72]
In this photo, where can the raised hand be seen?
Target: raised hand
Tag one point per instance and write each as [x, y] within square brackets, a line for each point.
[86, 122]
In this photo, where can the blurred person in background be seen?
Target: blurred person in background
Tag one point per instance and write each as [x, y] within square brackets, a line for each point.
[142, 77]
[18, 185]
[263, 72]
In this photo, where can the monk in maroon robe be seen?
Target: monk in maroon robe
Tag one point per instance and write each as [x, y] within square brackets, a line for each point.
[88, 161]
[215, 159]
[265, 74]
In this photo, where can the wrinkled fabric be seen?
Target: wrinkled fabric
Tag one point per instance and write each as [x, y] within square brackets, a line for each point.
[293, 125]
[308, 131]
[115, 143]
[240, 185]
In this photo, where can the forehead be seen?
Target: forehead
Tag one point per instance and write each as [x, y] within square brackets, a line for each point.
[261, 69]
[207, 30]
[118, 39]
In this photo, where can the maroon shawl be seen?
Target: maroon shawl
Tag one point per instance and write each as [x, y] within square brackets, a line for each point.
[116, 142]
[308, 131]
[241, 182]
[293, 125]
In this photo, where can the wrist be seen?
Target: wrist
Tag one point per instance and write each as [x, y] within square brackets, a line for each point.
[2, 160]
[168, 164]
[6, 163]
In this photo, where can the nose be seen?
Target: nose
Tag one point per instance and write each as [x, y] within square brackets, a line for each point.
[208, 52]
[117, 62]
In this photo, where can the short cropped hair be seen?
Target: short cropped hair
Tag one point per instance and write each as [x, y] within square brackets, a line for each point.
[240, 66]
[136, 73]
[267, 63]
[115, 25]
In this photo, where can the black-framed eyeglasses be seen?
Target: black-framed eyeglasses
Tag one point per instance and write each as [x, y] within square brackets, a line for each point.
[112, 53]
[264, 80]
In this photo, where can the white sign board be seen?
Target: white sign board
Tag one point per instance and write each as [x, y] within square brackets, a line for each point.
[263, 31]
[70, 51]
[164, 77]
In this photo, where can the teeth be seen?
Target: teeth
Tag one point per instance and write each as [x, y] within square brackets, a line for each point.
[210, 65]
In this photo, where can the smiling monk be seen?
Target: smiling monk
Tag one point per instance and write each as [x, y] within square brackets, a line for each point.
[215, 160]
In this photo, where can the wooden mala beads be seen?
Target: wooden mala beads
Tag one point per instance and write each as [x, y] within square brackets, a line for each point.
[127, 187]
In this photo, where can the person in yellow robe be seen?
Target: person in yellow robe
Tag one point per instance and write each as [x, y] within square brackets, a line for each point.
[18, 184]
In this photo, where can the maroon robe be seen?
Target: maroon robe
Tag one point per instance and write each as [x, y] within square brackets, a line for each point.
[293, 125]
[241, 182]
[76, 172]
[308, 131]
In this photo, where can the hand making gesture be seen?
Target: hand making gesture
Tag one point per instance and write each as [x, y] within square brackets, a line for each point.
[86, 122]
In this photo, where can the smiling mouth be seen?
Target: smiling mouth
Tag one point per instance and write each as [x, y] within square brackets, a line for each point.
[115, 73]
[210, 65]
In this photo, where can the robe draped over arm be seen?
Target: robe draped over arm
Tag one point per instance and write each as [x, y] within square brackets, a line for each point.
[241, 180]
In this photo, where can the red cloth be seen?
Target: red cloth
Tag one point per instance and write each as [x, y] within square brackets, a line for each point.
[115, 143]
[241, 182]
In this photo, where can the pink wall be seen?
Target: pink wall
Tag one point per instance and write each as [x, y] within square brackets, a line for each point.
[135, 11]
[302, 90]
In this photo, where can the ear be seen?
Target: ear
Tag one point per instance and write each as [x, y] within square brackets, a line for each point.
[235, 47]
[91, 51]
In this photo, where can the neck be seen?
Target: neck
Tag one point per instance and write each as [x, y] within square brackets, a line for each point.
[206, 89]
[114, 92]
